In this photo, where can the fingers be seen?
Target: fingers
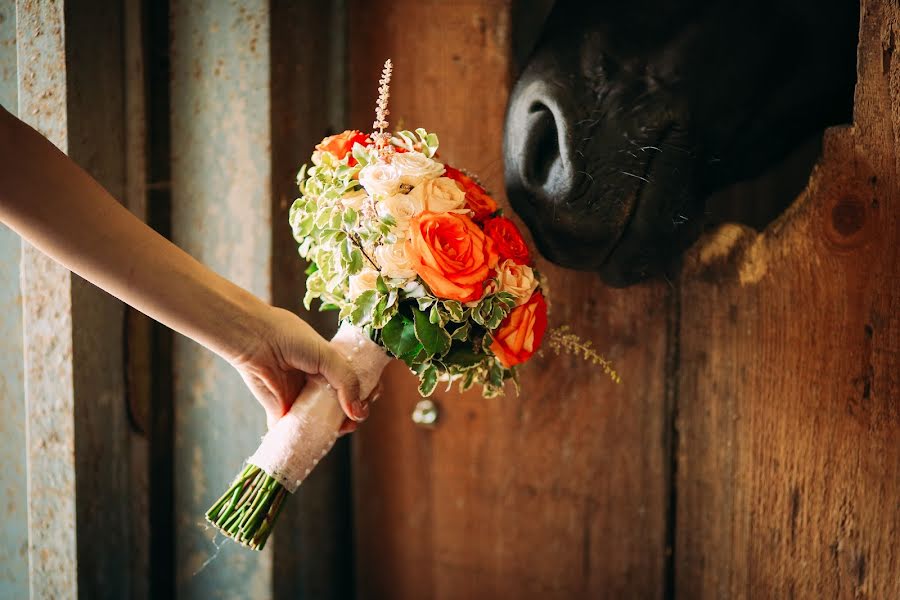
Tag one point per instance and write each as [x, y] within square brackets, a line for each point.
[348, 426]
[340, 375]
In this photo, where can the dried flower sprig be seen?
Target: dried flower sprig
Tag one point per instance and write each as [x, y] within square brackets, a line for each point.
[381, 137]
[561, 339]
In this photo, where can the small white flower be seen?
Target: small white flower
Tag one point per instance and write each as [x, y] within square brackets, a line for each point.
[402, 207]
[355, 200]
[394, 262]
[518, 280]
[363, 281]
[440, 195]
[380, 179]
[416, 168]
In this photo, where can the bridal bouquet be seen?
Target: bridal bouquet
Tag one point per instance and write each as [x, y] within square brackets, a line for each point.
[420, 264]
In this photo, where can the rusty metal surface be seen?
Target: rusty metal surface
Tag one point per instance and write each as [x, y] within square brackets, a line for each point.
[47, 303]
[221, 172]
[14, 519]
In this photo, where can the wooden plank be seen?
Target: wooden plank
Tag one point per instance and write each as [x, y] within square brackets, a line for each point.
[47, 325]
[14, 524]
[313, 544]
[138, 327]
[69, 73]
[562, 491]
[789, 421]
[221, 214]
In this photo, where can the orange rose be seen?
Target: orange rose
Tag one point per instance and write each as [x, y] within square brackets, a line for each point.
[341, 144]
[477, 199]
[521, 332]
[510, 243]
[451, 254]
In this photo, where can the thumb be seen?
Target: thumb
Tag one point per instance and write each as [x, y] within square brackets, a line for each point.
[341, 376]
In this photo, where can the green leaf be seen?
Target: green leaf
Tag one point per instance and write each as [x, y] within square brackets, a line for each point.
[364, 306]
[399, 336]
[434, 316]
[468, 380]
[463, 356]
[428, 381]
[461, 333]
[356, 262]
[454, 309]
[350, 217]
[328, 306]
[433, 337]
[380, 285]
[382, 313]
[424, 302]
[495, 375]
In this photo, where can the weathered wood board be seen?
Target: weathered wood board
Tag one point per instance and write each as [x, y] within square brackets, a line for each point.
[788, 471]
[221, 214]
[560, 492]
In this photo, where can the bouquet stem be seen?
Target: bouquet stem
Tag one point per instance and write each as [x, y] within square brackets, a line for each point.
[247, 511]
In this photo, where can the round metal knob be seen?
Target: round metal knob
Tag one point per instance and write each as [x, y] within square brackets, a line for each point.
[425, 413]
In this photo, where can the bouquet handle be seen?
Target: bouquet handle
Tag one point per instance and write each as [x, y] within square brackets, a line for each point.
[302, 437]
[294, 446]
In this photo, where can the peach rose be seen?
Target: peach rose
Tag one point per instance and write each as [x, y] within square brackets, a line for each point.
[451, 254]
[363, 281]
[521, 332]
[440, 195]
[516, 279]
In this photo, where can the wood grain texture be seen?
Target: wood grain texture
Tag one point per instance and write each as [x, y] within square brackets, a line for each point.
[788, 472]
[560, 492]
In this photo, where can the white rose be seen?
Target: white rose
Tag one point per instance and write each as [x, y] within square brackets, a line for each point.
[518, 280]
[440, 195]
[394, 262]
[363, 281]
[355, 200]
[380, 179]
[402, 207]
[416, 168]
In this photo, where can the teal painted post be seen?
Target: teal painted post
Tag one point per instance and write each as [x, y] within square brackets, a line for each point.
[221, 214]
[14, 522]
[70, 71]
[47, 300]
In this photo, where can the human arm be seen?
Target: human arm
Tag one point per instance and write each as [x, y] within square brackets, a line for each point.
[62, 211]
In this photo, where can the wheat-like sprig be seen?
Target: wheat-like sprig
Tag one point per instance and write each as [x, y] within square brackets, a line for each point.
[381, 136]
[561, 339]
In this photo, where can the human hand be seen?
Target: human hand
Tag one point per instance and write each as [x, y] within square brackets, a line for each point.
[283, 355]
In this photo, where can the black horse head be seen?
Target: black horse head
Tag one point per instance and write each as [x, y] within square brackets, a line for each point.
[630, 113]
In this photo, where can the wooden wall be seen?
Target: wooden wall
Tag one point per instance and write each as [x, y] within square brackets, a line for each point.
[563, 491]
[788, 473]
[754, 447]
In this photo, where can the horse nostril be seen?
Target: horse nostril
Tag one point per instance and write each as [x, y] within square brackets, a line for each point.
[542, 150]
[536, 144]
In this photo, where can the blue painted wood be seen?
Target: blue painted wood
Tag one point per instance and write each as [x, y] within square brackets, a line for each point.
[69, 72]
[47, 326]
[221, 214]
[14, 510]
